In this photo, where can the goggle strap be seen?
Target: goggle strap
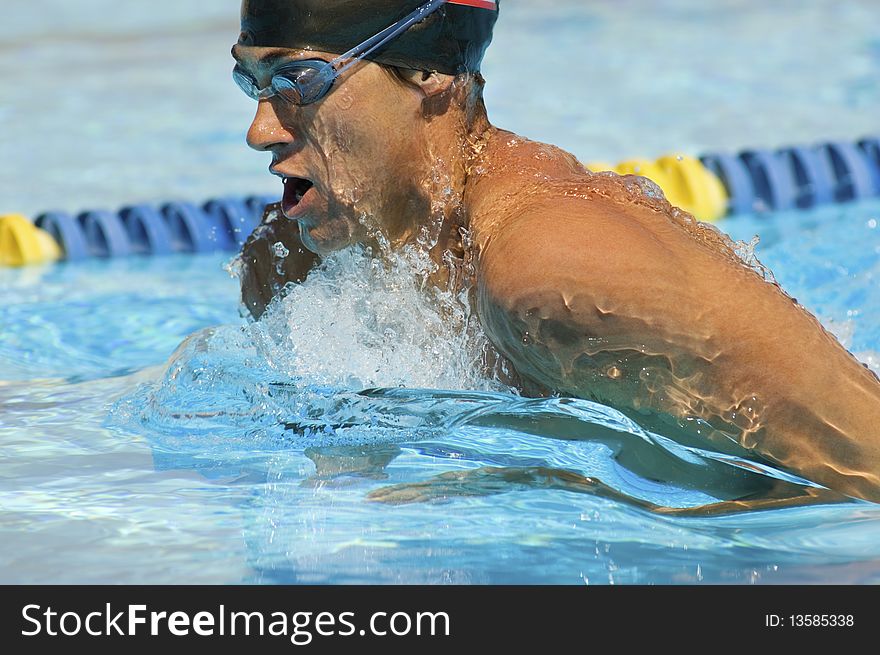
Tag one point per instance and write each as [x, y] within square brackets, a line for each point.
[374, 43]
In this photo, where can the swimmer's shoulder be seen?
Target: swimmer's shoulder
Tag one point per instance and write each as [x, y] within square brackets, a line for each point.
[512, 172]
[514, 166]
[529, 157]
[515, 177]
[511, 165]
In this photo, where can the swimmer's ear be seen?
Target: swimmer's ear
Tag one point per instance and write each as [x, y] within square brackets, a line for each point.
[430, 83]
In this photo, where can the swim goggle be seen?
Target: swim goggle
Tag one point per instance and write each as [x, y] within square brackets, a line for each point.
[307, 81]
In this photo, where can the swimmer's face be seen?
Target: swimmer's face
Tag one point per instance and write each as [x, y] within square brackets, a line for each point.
[352, 161]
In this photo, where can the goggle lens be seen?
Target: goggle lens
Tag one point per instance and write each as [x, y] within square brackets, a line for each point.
[246, 84]
[305, 82]
[299, 83]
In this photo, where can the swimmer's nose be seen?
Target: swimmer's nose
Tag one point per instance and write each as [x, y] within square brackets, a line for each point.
[266, 131]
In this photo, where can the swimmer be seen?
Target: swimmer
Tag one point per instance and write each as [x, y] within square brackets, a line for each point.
[590, 285]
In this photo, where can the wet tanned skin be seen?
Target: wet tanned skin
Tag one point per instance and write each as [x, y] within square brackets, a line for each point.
[588, 287]
[599, 293]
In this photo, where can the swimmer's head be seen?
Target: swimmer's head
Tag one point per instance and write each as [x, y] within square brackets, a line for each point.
[451, 39]
[365, 156]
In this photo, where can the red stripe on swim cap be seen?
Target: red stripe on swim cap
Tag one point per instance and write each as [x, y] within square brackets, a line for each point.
[480, 4]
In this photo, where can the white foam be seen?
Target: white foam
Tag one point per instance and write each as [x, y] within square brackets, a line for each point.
[363, 321]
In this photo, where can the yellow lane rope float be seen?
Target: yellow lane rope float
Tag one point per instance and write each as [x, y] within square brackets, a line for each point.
[23, 243]
[685, 182]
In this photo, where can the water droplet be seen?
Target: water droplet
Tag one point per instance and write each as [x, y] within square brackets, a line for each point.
[613, 372]
[281, 252]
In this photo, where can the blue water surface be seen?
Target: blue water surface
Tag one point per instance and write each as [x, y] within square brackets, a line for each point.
[145, 436]
[211, 470]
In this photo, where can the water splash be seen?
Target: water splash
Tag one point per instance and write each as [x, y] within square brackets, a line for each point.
[325, 365]
[360, 321]
[643, 186]
[366, 352]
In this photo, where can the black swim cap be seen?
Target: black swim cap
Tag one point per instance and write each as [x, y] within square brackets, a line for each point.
[451, 40]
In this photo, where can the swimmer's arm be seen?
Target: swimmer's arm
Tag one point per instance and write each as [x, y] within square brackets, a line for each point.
[262, 272]
[569, 274]
[570, 284]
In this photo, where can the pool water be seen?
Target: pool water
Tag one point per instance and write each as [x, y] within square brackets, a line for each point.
[245, 461]
[150, 434]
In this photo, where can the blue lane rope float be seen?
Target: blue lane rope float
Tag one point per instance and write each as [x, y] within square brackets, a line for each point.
[176, 227]
[736, 179]
[66, 232]
[850, 170]
[871, 150]
[772, 181]
[711, 186]
[812, 183]
[105, 234]
[191, 229]
[233, 220]
[798, 176]
[147, 230]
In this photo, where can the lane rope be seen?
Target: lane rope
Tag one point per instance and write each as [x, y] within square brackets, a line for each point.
[710, 187]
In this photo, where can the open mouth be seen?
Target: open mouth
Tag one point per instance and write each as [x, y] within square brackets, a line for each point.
[294, 199]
